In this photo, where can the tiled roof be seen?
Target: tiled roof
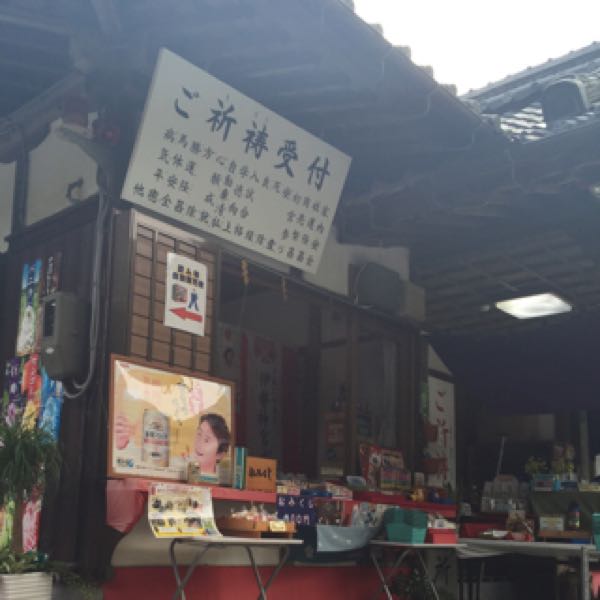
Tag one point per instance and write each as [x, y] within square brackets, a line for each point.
[514, 102]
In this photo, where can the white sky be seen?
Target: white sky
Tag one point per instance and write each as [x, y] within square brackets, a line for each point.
[472, 42]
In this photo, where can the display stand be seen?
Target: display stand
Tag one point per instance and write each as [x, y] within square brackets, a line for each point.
[249, 544]
[403, 550]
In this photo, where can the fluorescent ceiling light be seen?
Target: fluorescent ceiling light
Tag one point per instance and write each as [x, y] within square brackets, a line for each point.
[529, 307]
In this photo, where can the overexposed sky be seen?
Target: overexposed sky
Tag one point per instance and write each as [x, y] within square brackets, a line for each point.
[471, 43]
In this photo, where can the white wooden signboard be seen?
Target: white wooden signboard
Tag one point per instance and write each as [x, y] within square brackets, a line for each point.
[210, 157]
[185, 294]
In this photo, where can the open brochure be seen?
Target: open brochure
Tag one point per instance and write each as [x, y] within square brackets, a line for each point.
[177, 510]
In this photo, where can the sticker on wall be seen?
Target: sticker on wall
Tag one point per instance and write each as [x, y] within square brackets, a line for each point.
[30, 292]
[185, 294]
[52, 273]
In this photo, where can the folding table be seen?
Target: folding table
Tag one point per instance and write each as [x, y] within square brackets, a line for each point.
[249, 544]
[403, 549]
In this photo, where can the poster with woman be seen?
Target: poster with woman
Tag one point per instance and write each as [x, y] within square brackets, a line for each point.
[163, 420]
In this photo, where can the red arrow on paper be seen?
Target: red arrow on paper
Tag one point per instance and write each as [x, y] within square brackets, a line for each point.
[184, 314]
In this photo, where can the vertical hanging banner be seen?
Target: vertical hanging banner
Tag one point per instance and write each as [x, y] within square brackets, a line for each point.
[441, 447]
[185, 294]
[209, 156]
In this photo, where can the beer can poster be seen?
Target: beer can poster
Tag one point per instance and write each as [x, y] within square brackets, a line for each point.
[185, 294]
[161, 421]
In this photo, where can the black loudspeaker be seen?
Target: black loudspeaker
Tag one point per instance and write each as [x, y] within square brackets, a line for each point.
[64, 336]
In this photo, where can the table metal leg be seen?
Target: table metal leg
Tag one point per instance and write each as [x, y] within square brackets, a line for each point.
[426, 575]
[262, 588]
[259, 583]
[284, 555]
[479, 580]
[181, 583]
[585, 574]
[384, 584]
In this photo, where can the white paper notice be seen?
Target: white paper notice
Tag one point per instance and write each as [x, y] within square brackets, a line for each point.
[185, 294]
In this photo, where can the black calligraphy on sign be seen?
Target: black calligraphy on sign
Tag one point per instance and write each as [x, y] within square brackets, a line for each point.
[222, 118]
[256, 140]
[317, 173]
[288, 153]
[164, 156]
[180, 165]
[178, 106]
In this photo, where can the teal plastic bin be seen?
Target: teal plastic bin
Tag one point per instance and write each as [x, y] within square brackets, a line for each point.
[405, 533]
[405, 526]
[393, 515]
[416, 518]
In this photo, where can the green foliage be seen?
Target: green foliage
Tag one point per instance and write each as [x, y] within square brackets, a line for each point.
[28, 457]
[12, 563]
[414, 586]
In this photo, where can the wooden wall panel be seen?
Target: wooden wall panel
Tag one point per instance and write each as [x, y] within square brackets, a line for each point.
[148, 338]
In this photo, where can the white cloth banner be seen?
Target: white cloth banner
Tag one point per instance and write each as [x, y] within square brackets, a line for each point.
[441, 416]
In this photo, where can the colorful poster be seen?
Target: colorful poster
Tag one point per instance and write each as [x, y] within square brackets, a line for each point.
[160, 421]
[52, 400]
[13, 402]
[440, 452]
[32, 388]
[208, 156]
[181, 511]
[28, 313]
[31, 524]
[185, 294]
[6, 524]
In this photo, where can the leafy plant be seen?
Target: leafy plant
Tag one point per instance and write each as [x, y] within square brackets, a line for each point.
[29, 457]
[535, 466]
[413, 585]
[12, 563]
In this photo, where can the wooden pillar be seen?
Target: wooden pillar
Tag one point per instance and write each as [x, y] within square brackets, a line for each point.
[352, 341]
[311, 414]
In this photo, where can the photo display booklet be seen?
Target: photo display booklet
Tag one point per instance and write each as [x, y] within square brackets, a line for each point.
[177, 510]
